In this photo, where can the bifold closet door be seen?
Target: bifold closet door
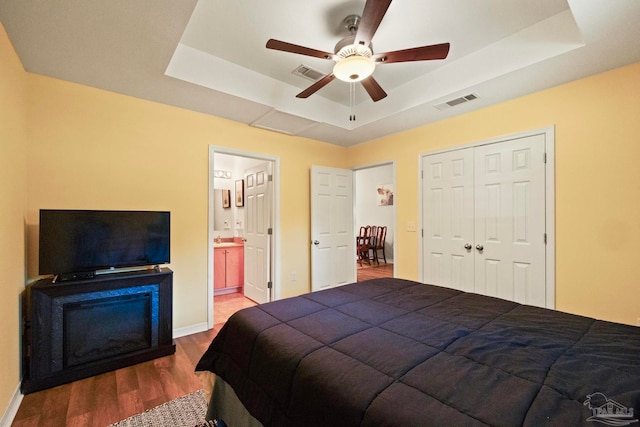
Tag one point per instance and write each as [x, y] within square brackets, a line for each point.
[484, 219]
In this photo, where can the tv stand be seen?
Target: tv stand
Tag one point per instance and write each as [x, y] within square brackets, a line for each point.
[85, 327]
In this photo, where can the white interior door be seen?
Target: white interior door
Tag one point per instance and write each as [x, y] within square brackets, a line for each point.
[510, 220]
[332, 238]
[449, 219]
[258, 233]
[484, 219]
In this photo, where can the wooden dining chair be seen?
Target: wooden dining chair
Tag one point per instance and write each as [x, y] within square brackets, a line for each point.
[381, 235]
[363, 244]
[373, 231]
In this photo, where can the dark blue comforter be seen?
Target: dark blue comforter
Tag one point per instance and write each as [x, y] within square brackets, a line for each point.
[391, 352]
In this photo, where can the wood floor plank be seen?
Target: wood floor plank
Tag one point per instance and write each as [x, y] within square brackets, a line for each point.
[182, 376]
[82, 397]
[129, 404]
[126, 380]
[169, 377]
[150, 386]
[106, 409]
[33, 421]
[55, 405]
[190, 349]
[83, 420]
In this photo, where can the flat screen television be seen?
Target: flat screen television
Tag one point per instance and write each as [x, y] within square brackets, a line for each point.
[75, 241]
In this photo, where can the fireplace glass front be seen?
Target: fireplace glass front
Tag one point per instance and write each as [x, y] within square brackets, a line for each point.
[95, 326]
[103, 328]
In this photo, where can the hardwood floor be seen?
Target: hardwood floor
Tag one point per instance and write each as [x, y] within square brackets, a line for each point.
[373, 271]
[113, 396]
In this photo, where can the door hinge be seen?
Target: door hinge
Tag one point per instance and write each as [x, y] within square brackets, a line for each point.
[270, 231]
[545, 238]
[269, 284]
[544, 157]
[421, 174]
[269, 178]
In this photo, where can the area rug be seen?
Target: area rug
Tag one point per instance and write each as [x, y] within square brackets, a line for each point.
[189, 410]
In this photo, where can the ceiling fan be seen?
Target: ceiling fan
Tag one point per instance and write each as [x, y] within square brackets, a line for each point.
[354, 56]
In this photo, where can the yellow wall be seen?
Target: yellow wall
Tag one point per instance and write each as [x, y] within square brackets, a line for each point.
[597, 137]
[92, 149]
[13, 200]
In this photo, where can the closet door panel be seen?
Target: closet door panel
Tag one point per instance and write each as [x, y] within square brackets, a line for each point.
[448, 219]
[510, 220]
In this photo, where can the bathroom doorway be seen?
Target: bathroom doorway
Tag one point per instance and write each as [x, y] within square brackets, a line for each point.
[233, 259]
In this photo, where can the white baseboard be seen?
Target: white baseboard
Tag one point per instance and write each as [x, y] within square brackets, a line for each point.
[188, 330]
[12, 408]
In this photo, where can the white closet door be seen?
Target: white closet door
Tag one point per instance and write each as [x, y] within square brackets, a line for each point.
[448, 227]
[484, 219]
[510, 220]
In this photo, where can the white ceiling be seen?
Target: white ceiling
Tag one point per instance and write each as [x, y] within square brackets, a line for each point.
[210, 55]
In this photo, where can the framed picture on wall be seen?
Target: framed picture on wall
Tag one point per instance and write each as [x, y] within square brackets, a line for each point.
[385, 195]
[226, 198]
[240, 192]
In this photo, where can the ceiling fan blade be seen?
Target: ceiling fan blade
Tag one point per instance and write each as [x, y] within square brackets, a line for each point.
[372, 15]
[424, 53]
[374, 90]
[316, 86]
[294, 48]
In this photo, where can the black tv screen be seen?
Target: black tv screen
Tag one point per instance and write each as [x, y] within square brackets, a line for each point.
[87, 240]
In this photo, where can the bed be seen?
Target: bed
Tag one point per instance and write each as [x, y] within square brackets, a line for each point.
[392, 352]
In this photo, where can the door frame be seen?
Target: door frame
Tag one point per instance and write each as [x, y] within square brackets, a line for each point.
[275, 210]
[550, 252]
[394, 214]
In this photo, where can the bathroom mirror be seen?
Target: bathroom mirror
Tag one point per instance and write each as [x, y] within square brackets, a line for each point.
[222, 217]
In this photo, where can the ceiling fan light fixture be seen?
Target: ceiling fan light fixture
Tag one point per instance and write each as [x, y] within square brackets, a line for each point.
[354, 68]
[353, 54]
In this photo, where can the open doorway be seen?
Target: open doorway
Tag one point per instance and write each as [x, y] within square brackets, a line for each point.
[375, 219]
[234, 258]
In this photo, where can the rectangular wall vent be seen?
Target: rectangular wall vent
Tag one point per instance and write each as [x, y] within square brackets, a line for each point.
[307, 73]
[457, 101]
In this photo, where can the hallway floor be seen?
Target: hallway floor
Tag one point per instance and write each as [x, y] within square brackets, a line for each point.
[374, 271]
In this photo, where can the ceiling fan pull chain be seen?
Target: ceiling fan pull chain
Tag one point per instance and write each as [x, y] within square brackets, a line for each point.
[352, 101]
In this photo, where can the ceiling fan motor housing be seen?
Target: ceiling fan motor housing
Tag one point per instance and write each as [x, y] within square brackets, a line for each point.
[346, 47]
[353, 61]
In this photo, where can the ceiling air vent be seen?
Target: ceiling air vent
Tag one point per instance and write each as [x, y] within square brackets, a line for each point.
[457, 101]
[307, 72]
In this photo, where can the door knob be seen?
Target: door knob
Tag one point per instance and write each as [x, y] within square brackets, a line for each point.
[315, 242]
[479, 247]
[467, 246]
